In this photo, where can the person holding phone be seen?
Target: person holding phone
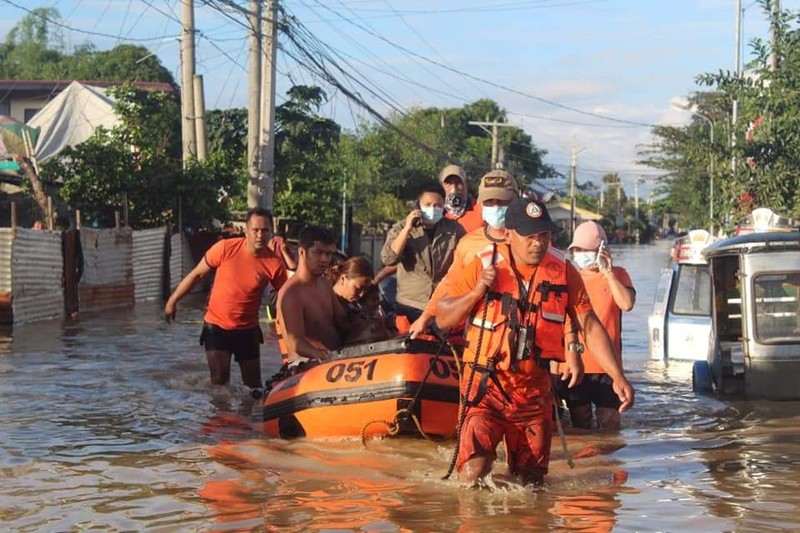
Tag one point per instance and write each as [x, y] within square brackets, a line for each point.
[422, 247]
[611, 292]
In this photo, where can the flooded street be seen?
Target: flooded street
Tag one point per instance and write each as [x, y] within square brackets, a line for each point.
[110, 423]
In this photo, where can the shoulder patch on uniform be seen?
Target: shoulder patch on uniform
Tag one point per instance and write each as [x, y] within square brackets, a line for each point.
[553, 270]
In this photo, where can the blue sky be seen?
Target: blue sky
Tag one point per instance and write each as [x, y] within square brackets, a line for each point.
[621, 59]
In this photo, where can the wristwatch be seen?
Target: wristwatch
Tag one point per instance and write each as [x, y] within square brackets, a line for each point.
[575, 347]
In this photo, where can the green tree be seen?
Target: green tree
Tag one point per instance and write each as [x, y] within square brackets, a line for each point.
[308, 172]
[139, 162]
[767, 131]
[34, 50]
[766, 134]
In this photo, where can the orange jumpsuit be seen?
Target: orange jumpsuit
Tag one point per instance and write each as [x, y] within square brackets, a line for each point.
[516, 404]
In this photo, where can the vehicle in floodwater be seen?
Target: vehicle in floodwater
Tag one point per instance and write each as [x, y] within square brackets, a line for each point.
[680, 324]
[754, 349]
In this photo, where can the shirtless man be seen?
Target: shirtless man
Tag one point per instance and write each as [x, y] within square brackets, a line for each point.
[306, 320]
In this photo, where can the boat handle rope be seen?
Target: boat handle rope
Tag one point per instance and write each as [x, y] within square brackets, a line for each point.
[462, 400]
[393, 426]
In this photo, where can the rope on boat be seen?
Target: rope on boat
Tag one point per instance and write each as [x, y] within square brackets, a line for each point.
[393, 426]
[462, 399]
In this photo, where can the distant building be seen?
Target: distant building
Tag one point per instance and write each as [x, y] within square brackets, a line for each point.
[560, 213]
[22, 99]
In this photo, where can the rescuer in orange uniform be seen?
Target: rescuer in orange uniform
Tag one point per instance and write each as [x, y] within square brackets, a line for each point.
[515, 309]
[496, 190]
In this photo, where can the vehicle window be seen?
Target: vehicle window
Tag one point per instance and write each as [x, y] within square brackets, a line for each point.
[662, 292]
[776, 303]
[692, 291]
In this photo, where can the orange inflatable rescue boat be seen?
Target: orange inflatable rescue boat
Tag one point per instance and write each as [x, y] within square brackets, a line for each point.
[368, 390]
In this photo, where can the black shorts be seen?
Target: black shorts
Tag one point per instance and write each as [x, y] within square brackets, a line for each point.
[244, 344]
[594, 388]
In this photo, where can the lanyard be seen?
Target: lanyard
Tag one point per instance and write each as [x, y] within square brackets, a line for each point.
[524, 292]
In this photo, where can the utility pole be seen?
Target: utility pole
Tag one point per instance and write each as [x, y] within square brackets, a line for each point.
[267, 137]
[200, 117]
[773, 54]
[737, 73]
[254, 104]
[343, 243]
[573, 173]
[187, 81]
[494, 132]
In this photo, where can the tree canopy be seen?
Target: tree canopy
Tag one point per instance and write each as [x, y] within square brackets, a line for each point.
[754, 162]
[34, 50]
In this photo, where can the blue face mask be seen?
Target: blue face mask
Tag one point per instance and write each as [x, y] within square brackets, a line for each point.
[495, 215]
[584, 259]
[431, 214]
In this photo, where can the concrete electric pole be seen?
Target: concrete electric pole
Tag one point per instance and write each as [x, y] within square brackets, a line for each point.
[775, 13]
[254, 104]
[189, 137]
[573, 174]
[200, 117]
[267, 137]
[494, 132]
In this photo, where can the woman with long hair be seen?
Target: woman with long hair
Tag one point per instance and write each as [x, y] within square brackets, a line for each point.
[355, 292]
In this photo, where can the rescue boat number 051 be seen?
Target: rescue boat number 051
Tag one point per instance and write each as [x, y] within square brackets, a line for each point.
[356, 370]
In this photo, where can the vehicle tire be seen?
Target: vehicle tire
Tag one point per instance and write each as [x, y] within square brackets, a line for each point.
[702, 381]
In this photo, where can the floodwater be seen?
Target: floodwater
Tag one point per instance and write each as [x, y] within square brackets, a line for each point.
[109, 423]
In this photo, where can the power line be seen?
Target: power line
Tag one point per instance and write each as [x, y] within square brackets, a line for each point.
[78, 30]
[520, 6]
[479, 79]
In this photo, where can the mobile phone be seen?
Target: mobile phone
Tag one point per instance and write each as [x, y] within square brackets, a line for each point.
[600, 249]
[418, 220]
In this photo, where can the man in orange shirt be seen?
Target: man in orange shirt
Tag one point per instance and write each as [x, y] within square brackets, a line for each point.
[458, 205]
[611, 292]
[244, 266]
[517, 308]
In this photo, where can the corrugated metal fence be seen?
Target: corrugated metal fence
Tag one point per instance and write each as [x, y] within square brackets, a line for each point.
[116, 268]
[107, 279]
[37, 267]
[180, 259]
[371, 247]
[6, 236]
[149, 255]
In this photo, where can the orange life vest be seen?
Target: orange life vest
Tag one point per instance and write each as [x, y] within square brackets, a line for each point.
[534, 321]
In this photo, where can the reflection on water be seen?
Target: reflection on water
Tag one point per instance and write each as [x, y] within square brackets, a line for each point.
[109, 423]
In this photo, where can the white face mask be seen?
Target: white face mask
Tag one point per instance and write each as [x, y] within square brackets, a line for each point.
[495, 215]
[431, 214]
[584, 259]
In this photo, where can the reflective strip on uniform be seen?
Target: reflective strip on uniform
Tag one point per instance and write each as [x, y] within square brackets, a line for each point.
[485, 324]
[553, 317]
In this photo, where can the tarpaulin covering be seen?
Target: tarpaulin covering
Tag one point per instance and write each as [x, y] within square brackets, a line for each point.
[71, 118]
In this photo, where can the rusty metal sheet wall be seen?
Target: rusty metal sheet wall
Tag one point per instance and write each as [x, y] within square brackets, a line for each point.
[180, 260]
[148, 263]
[107, 279]
[36, 272]
[371, 247]
[6, 236]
